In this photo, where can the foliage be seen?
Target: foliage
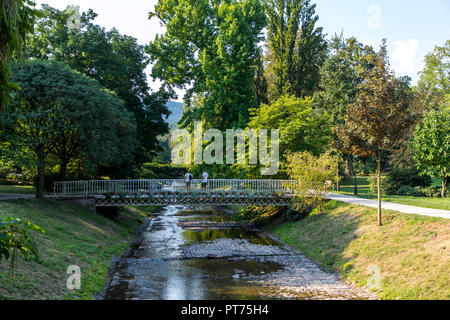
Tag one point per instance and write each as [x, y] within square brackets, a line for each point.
[117, 62]
[210, 48]
[396, 178]
[301, 127]
[162, 171]
[16, 21]
[62, 113]
[311, 175]
[344, 69]
[14, 237]
[379, 116]
[431, 145]
[296, 47]
[434, 84]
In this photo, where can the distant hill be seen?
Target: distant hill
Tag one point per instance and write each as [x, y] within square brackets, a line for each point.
[176, 109]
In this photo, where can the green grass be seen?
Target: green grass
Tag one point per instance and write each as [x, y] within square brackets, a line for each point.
[17, 189]
[74, 236]
[411, 251]
[364, 192]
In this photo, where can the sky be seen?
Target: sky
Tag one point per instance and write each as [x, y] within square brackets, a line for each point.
[412, 27]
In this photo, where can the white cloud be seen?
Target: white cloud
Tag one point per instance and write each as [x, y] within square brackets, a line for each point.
[404, 57]
[374, 19]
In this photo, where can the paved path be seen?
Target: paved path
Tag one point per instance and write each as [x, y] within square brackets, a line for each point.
[391, 206]
[11, 196]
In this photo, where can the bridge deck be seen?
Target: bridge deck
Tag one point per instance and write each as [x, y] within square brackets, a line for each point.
[175, 191]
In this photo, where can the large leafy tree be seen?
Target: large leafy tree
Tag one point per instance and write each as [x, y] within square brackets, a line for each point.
[431, 92]
[297, 47]
[431, 145]
[433, 87]
[16, 21]
[301, 127]
[62, 113]
[116, 61]
[209, 48]
[378, 117]
[347, 63]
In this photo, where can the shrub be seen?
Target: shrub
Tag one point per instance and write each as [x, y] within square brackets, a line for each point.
[431, 192]
[162, 171]
[373, 185]
[409, 191]
[397, 178]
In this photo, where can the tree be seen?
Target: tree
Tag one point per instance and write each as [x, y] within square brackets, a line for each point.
[210, 48]
[431, 145]
[301, 127]
[14, 237]
[311, 175]
[431, 92]
[63, 113]
[433, 87]
[296, 46]
[16, 21]
[378, 117]
[117, 62]
[310, 53]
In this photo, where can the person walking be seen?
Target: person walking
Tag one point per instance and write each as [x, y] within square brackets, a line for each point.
[204, 180]
[188, 178]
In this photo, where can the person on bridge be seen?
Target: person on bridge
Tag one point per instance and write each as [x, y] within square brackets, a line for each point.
[204, 180]
[188, 177]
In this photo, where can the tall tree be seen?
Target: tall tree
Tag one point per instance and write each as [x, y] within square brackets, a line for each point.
[431, 145]
[434, 84]
[16, 21]
[63, 113]
[344, 69]
[210, 48]
[310, 55]
[378, 117]
[297, 47]
[116, 61]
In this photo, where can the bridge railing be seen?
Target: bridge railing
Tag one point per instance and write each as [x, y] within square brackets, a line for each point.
[102, 187]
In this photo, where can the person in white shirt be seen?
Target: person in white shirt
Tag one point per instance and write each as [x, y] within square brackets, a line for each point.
[204, 180]
[188, 178]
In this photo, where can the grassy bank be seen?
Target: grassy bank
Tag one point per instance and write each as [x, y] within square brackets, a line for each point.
[411, 251]
[74, 236]
[17, 189]
[364, 192]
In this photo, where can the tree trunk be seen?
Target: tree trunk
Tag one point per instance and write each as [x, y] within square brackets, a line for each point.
[379, 185]
[348, 167]
[41, 174]
[444, 183]
[62, 171]
[337, 181]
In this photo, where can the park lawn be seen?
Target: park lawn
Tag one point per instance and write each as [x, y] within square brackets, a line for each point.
[412, 252]
[74, 236]
[364, 192]
[16, 189]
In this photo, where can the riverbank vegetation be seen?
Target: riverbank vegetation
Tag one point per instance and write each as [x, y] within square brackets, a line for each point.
[73, 236]
[409, 250]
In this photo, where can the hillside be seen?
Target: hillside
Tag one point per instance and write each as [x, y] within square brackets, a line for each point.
[411, 251]
[73, 236]
[176, 111]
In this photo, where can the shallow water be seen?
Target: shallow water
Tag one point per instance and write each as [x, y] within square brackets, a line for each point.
[177, 262]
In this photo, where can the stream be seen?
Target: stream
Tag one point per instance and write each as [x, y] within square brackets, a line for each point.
[188, 254]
